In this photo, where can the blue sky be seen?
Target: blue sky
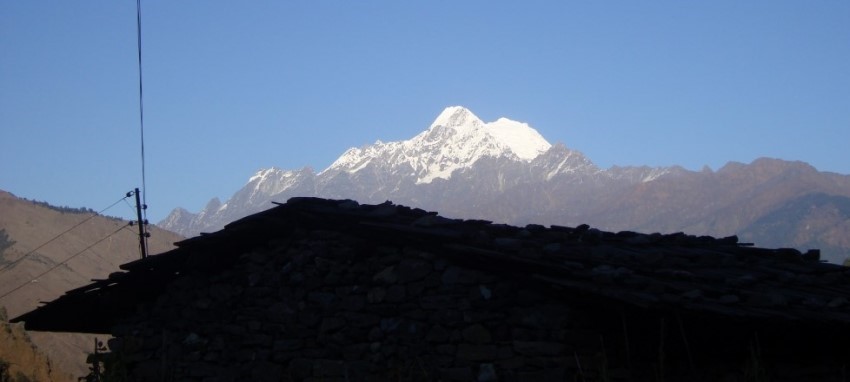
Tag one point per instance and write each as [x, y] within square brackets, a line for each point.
[232, 87]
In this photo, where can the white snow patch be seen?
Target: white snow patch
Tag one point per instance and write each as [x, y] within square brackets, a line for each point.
[272, 181]
[562, 167]
[654, 174]
[524, 141]
[261, 175]
[360, 166]
[457, 117]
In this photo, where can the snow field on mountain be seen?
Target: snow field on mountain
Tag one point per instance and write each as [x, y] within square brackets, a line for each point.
[455, 140]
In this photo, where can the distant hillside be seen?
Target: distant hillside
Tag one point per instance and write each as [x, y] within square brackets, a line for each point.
[810, 221]
[24, 226]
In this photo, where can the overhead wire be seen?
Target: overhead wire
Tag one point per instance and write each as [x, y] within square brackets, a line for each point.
[62, 262]
[141, 93]
[127, 227]
[144, 206]
[132, 209]
[144, 181]
[18, 260]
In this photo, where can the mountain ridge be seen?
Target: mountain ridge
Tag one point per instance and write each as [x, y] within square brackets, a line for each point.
[457, 168]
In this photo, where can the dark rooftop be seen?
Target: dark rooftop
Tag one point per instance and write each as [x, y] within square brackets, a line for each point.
[700, 275]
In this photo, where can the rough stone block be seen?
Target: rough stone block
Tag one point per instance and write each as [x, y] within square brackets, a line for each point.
[330, 324]
[325, 300]
[455, 275]
[477, 334]
[376, 334]
[387, 276]
[487, 373]
[376, 295]
[446, 317]
[474, 352]
[356, 351]
[328, 368]
[201, 369]
[447, 349]
[538, 348]
[456, 374]
[413, 270]
[353, 302]
[437, 334]
[265, 371]
[438, 302]
[555, 374]
[362, 320]
[395, 294]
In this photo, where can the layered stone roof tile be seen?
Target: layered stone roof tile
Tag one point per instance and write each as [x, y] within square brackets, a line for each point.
[698, 274]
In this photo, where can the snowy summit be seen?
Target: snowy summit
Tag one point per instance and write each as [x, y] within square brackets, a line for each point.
[522, 140]
[455, 140]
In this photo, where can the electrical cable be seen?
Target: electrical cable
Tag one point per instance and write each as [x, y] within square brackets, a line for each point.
[144, 183]
[63, 262]
[132, 209]
[18, 260]
[127, 227]
[142, 121]
[141, 98]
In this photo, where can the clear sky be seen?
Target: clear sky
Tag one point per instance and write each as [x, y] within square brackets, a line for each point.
[231, 87]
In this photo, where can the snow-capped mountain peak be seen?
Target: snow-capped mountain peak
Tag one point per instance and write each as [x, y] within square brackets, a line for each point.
[523, 140]
[270, 181]
[262, 174]
[456, 139]
[457, 117]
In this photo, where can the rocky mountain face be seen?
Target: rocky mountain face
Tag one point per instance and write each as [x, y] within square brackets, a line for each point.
[505, 171]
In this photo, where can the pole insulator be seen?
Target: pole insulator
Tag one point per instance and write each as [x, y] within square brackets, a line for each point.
[143, 247]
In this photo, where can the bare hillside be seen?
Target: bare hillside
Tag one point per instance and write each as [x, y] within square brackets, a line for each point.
[25, 226]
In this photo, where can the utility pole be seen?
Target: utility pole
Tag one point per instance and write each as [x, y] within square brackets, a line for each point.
[95, 365]
[143, 236]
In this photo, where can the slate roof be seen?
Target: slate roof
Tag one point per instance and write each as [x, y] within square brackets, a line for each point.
[702, 275]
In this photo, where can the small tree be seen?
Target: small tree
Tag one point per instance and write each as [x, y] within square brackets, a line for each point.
[4, 371]
[5, 242]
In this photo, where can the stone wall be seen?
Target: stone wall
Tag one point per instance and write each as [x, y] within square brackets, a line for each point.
[328, 306]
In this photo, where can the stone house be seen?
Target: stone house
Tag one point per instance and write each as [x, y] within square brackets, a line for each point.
[332, 290]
